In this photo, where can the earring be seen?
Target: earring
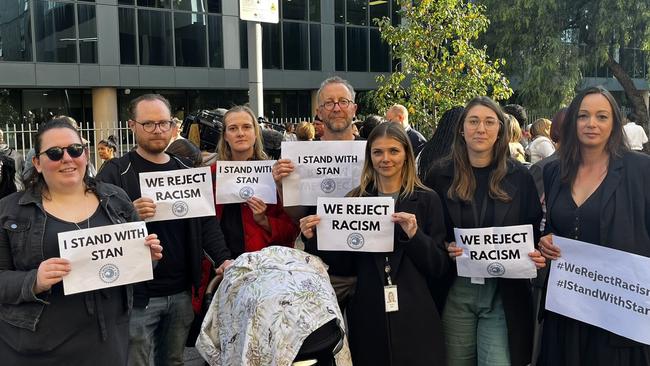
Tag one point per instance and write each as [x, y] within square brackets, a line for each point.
[462, 133]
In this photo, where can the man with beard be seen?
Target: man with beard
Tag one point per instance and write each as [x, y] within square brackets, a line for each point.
[336, 109]
[162, 309]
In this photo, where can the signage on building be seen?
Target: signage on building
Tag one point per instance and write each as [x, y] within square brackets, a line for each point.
[265, 11]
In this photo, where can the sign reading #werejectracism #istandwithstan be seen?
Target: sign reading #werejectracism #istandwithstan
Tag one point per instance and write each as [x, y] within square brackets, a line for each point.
[179, 194]
[604, 287]
[322, 169]
[105, 256]
[238, 181]
[356, 224]
[496, 252]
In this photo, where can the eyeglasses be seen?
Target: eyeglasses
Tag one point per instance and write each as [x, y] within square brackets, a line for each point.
[489, 124]
[343, 104]
[150, 126]
[56, 153]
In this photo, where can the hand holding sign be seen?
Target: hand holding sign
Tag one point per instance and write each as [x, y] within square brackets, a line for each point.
[154, 246]
[307, 225]
[407, 221]
[282, 168]
[145, 206]
[548, 249]
[50, 272]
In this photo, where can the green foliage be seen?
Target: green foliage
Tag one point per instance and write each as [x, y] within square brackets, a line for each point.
[439, 66]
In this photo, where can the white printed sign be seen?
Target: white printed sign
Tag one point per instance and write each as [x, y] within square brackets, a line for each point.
[105, 256]
[179, 194]
[496, 252]
[265, 11]
[322, 169]
[601, 286]
[237, 181]
[356, 224]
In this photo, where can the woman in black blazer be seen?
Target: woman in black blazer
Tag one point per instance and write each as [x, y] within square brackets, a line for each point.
[489, 323]
[596, 192]
[413, 334]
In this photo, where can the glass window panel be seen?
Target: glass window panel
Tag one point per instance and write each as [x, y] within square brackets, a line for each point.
[126, 2]
[15, 31]
[243, 44]
[294, 9]
[314, 46]
[215, 36]
[56, 39]
[357, 46]
[339, 46]
[189, 33]
[395, 13]
[379, 53]
[314, 10]
[271, 50]
[127, 36]
[378, 9]
[155, 37]
[87, 33]
[357, 12]
[165, 4]
[296, 46]
[189, 5]
[214, 6]
[339, 11]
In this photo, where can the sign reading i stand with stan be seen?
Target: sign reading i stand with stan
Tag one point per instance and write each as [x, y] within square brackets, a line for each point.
[264, 11]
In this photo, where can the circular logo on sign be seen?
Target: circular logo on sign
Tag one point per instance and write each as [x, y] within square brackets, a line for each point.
[496, 269]
[109, 273]
[355, 241]
[180, 208]
[328, 185]
[246, 192]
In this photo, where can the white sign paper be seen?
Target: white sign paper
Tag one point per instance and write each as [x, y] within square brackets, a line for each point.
[105, 256]
[322, 169]
[601, 286]
[496, 252]
[179, 194]
[265, 11]
[356, 224]
[237, 181]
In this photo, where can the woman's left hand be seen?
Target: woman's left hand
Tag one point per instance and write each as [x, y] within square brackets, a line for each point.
[536, 256]
[154, 246]
[407, 221]
[257, 206]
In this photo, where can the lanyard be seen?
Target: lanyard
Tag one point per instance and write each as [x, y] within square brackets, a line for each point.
[387, 271]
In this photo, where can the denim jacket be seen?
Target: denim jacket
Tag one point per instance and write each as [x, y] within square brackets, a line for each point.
[22, 228]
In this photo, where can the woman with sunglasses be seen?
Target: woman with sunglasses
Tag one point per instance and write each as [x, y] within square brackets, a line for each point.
[252, 225]
[596, 192]
[412, 335]
[38, 324]
[489, 323]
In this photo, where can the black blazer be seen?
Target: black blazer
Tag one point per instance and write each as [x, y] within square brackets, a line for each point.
[413, 335]
[525, 208]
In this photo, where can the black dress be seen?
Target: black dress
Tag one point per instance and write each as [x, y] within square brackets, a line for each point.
[88, 328]
[566, 341]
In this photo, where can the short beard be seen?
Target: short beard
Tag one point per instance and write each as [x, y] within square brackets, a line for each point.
[330, 126]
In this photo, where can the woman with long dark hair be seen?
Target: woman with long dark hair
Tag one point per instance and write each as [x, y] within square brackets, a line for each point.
[39, 325]
[413, 334]
[596, 192]
[488, 323]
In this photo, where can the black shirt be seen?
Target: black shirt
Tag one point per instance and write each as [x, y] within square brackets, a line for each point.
[479, 212]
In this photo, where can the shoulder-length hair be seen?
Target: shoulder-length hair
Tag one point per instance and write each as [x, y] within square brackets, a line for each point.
[35, 181]
[569, 151]
[464, 183]
[223, 149]
[370, 177]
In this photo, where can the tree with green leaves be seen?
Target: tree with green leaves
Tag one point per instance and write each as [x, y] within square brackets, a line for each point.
[551, 45]
[439, 66]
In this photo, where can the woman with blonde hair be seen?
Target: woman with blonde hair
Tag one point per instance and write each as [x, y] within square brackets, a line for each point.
[541, 146]
[413, 334]
[517, 151]
[487, 321]
[305, 131]
[252, 225]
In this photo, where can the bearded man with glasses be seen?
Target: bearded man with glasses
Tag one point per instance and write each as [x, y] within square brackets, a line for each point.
[162, 308]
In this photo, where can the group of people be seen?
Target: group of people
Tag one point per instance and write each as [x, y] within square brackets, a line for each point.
[594, 188]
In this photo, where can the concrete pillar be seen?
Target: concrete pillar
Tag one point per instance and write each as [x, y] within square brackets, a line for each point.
[105, 116]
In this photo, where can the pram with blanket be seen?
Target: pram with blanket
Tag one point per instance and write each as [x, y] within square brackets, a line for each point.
[274, 307]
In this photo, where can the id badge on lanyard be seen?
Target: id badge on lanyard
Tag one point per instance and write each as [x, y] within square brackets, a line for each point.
[391, 300]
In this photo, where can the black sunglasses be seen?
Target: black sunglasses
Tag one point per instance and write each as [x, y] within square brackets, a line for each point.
[56, 153]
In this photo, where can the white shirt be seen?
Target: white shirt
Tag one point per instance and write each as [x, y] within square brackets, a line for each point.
[635, 136]
[540, 148]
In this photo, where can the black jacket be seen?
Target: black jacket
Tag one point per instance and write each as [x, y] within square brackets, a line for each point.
[204, 236]
[413, 335]
[525, 208]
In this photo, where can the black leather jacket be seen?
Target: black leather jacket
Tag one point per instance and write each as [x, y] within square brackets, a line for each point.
[22, 222]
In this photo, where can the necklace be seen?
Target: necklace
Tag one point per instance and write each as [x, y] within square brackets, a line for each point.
[87, 224]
